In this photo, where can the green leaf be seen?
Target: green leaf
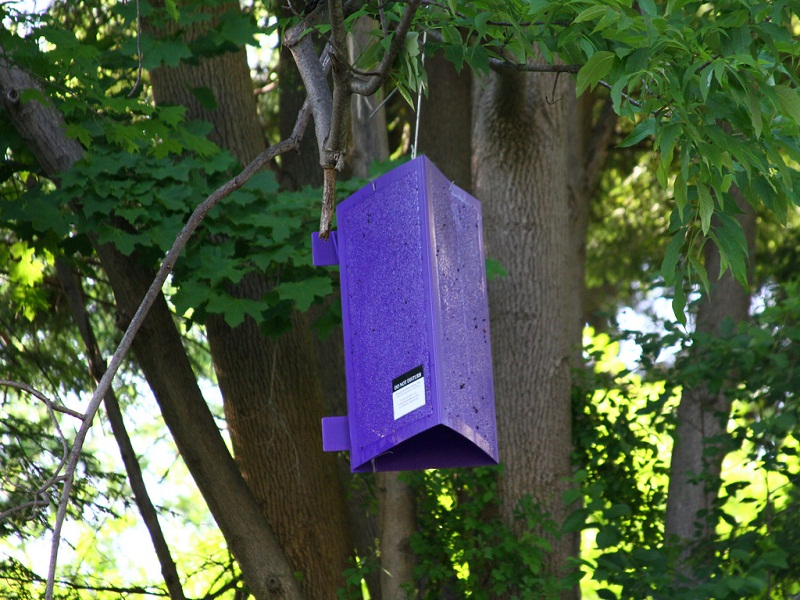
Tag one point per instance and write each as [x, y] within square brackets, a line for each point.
[571, 495]
[494, 269]
[172, 10]
[670, 262]
[642, 130]
[648, 7]
[205, 96]
[234, 309]
[679, 301]
[481, 23]
[705, 81]
[679, 190]
[665, 140]
[575, 521]
[594, 70]
[699, 270]
[617, 511]
[591, 13]
[607, 536]
[788, 102]
[732, 245]
[754, 106]
[706, 206]
[302, 293]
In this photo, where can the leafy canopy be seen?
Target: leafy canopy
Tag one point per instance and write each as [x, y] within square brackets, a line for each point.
[712, 84]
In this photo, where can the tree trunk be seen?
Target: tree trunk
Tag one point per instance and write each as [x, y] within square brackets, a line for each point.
[445, 131]
[165, 365]
[521, 171]
[703, 415]
[272, 396]
[369, 141]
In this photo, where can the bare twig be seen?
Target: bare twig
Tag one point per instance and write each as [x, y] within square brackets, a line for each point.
[39, 495]
[34, 392]
[36, 502]
[333, 150]
[382, 13]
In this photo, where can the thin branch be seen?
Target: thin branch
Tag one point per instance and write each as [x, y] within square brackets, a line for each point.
[627, 98]
[39, 497]
[333, 150]
[75, 299]
[382, 13]
[336, 138]
[36, 502]
[372, 84]
[503, 65]
[49, 403]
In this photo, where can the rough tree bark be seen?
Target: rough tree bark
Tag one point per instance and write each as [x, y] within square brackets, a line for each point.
[369, 140]
[445, 131]
[521, 172]
[166, 367]
[703, 415]
[272, 395]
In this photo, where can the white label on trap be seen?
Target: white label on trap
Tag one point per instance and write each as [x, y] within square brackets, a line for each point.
[408, 392]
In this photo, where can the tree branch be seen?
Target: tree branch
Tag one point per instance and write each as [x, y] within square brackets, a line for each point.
[333, 150]
[97, 367]
[56, 477]
[49, 403]
[312, 73]
[367, 87]
[504, 66]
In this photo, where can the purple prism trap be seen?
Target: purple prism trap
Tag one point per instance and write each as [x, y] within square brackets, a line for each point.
[416, 325]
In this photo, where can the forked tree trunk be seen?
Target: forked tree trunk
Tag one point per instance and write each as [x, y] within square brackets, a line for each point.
[521, 172]
[703, 415]
[272, 395]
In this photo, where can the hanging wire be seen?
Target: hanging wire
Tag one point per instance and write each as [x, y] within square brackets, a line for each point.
[138, 50]
[419, 100]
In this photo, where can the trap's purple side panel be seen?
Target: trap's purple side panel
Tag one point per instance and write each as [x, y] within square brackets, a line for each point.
[416, 325]
[383, 258]
[461, 312]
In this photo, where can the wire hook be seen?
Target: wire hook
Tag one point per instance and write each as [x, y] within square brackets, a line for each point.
[419, 100]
